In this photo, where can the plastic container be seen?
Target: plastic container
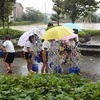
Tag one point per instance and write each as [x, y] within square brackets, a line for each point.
[35, 67]
[56, 69]
[38, 59]
[71, 70]
[75, 70]
[1, 52]
[60, 70]
[51, 64]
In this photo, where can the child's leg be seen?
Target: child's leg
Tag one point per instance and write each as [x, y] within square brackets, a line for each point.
[7, 65]
[29, 64]
[43, 67]
[46, 69]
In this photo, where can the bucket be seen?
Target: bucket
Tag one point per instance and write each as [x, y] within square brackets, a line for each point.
[60, 70]
[75, 70]
[71, 70]
[38, 59]
[1, 52]
[35, 67]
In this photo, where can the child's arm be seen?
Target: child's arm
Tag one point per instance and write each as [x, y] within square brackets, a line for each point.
[28, 49]
[2, 48]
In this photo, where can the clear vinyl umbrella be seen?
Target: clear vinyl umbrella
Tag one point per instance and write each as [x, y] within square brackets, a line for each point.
[25, 36]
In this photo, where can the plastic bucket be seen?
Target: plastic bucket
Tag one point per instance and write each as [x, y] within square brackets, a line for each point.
[71, 70]
[1, 52]
[35, 67]
[38, 59]
[60, 69]
[77, 69]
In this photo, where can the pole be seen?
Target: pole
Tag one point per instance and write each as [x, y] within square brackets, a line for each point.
[45, 19]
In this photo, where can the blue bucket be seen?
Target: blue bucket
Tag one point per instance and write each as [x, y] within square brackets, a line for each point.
[35, 67]
[75, 70]
[71, 70]
[38, 59]
[60, 70]
[51, 64]
[1, 53]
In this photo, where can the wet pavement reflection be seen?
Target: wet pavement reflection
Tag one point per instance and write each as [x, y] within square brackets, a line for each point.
[88, 64]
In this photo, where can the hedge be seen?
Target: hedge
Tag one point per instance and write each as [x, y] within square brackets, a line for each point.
[11, 32]
[91, 32]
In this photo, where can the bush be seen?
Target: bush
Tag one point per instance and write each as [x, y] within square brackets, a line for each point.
[91, 32]
[20, 23]
[48, 87]
[11, 32]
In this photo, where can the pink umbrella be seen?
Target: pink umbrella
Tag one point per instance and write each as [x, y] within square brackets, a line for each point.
[67, 38]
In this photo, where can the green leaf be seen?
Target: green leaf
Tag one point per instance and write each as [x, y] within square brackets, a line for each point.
[28, 98]
[22, 95]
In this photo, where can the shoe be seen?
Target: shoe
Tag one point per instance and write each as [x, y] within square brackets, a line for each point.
[32, 72]
[9, 71]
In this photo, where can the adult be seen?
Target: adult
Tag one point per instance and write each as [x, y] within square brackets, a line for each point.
[10, 53]
[28, 51]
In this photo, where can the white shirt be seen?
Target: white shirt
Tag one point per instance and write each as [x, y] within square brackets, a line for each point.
[27, 45]
[9, 46]
[46, 44]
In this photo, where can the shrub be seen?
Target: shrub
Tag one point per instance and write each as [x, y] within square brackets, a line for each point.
[91, 32]
[20, 23]
[11, 32]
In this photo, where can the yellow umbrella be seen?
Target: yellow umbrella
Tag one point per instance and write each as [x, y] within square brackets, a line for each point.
[57, 32]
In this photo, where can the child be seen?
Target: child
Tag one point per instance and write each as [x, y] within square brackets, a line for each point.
[10, 53]
[44, 54]
[28, 52]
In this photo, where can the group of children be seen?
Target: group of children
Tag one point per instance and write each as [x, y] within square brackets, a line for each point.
[28, 52]
[31, 48]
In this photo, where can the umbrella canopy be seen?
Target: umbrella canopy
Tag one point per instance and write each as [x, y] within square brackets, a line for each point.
[67, 38]
[25, 36]
[57, 32]
[72, 26]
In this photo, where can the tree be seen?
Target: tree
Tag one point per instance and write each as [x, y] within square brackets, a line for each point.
[58, 9]
[32, 15]
[77, 8]
[6, 7]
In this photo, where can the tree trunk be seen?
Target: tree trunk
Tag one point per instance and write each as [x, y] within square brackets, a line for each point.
[3, 24]
[58, 20]
[7, 24]
[73, 20]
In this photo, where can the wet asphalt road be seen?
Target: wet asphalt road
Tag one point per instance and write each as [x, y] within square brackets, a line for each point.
[88, 64]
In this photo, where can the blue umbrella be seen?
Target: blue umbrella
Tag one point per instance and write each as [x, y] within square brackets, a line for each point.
[72, 26]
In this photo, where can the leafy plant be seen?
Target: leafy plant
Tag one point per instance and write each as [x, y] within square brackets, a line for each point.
[48, 87]
[91, 32]
[11, 32]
